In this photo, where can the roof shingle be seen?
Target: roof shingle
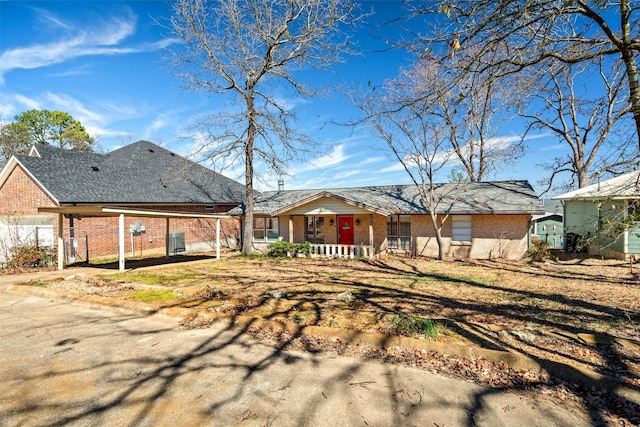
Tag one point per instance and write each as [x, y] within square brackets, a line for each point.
[139, 173]
[497, 197]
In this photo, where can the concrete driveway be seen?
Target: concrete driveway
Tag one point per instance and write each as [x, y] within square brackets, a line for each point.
[69, 363]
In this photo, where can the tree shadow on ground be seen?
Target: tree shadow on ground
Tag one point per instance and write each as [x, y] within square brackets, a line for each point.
[619, 400]
[131, 387]
[134, 264]
[158, 375]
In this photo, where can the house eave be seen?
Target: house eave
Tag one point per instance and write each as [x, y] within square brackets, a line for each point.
[10, 167]
[104, 211]
[351, 202]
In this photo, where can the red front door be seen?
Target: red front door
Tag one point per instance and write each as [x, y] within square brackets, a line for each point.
[345, 230]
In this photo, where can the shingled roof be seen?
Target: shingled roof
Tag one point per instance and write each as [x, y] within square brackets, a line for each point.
[498, 197]
[625, 186]
[139, 173]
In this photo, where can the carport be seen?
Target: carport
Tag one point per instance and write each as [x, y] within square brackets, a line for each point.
[104, 211]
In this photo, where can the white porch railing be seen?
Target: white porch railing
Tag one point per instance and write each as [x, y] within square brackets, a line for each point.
[341, 251]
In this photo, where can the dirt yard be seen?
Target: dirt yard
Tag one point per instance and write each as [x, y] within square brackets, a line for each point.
[581, 312]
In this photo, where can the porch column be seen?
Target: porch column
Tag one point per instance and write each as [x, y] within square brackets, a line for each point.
[166, 238]
[290, 228]
[217, 238]
[121, 243]
[371, 230]
[60, 242]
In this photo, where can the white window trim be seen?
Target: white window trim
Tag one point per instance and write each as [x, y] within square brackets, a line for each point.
[267, 230]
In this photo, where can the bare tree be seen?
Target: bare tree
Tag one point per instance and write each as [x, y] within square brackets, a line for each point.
[471, 107]
[584, 106]
[253, 51]
[530, 33]
[417, 139]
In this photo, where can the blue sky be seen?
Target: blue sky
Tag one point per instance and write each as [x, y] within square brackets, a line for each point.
[102, 62]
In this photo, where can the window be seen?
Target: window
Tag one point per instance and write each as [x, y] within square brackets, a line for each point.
[314, 229]
[399, 232]
[461, 228]
[265, 229]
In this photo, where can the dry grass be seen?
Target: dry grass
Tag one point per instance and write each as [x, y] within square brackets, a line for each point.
[537, 309]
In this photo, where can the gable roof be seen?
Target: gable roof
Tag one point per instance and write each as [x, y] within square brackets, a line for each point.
[498, 197]
[139, 173]
[621, 187]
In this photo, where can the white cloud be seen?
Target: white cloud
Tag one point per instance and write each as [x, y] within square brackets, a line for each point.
[49, 19]
[370, 160]
[28, 103]
[78, 71]
[334, 158]
[343, 175]
[85, 43]
[396, 167]
[95, 38]
[74, 107]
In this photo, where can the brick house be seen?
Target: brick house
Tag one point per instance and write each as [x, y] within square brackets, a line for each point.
[481, 220]
[141, 177]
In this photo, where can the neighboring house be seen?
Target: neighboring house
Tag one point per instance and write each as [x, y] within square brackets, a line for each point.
[548, 227]
[594, 214]
[485, 220]
[141, 177]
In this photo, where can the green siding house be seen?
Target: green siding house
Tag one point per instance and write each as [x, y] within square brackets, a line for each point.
[598, 214]
[548, 228]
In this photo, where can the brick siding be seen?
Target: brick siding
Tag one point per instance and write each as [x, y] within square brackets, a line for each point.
[493, 236]
[20, 196]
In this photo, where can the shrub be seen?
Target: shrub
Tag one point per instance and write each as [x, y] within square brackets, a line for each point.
[282, 249]
[538, 251]
[279, 249]
[30, 255]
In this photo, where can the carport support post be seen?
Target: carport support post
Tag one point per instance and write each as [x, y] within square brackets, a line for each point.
[217, 238]
[166, 238]
[121, 243]
[60, 242]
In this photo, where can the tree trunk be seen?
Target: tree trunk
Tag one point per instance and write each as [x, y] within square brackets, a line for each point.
[630, 62]
[583, 180]
[438, 230]
[247, 240]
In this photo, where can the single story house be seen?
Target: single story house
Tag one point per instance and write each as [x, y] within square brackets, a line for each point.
[90, 193]
[479, 219]
[597, 212]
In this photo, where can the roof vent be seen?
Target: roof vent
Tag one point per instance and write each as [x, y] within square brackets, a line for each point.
[95, 168]
[280, 184]
[151, 150]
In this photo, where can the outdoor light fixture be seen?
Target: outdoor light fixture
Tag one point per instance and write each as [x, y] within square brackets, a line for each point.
[357, 222]
[331, 222]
